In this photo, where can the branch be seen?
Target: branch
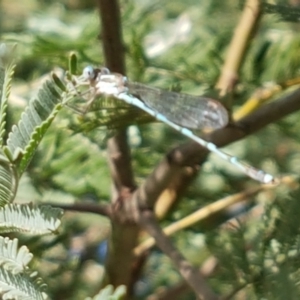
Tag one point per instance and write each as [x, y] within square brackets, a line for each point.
[192, 276]
[261, 96]
[119, 160]
[99, 209]
[119, 153]
[239, 46]
[111, 35]
[118, 271]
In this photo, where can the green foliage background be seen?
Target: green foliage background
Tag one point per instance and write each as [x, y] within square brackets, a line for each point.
[71, 161]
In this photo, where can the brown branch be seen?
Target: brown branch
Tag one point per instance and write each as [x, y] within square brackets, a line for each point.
[175, 189]
[99, 209]
[119, 153]
[118, 264]
[111, 35]
[147, 195]
[192, 276]
[238, 46]
[119, 159]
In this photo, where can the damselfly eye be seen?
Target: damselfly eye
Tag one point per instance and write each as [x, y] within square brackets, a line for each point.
[89, 73]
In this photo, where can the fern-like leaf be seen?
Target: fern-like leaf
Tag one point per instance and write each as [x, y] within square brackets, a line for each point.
[5, 84]
[8, 181]
[29, 218]
[12, 258]
[25, 137]
[20, 286]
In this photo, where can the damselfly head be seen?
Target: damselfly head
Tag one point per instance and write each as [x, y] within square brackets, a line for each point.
[99, 81]
[91, 73]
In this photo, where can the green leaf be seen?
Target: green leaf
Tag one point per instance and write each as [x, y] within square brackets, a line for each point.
[29, 218]
[5, 83]
[8, 181]
[21, 286]
[26, 136]
[58, 82]
[72, 63]
[12, 258]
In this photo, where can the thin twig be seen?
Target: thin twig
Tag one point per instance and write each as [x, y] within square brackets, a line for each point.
[239, 46]
[99, 209]
[192, 276]
[176, 291]
[261, 96]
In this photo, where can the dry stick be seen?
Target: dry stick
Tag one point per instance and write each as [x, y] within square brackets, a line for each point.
[176, 189]
[238, 46]
[192, 276]
[118, 264]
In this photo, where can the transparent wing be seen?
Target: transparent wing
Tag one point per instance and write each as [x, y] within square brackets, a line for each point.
[185, 110]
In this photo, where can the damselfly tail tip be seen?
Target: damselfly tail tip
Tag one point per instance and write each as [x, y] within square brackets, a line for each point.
[269, 179]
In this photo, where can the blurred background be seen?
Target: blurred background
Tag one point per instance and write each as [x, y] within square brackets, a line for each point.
[168, 44]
